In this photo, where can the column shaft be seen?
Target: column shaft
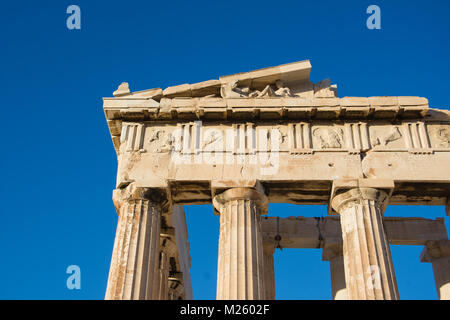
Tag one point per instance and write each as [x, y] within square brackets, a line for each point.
[269, 272]
[338, 285]
[369, 271]
[163, 277]
[240, 273]
[332, 252]
[135, 261]
[441, 270]
[438, 253]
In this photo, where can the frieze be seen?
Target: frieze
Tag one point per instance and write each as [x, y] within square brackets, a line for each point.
[293, 137]
[439, 136]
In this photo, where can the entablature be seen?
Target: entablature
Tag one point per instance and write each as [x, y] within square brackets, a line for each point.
[276, 126]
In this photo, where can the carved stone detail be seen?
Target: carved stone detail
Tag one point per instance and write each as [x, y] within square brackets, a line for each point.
[357, 137]
[283, 137]
[295, 138]
[393, 135]
[133, 136]
[300, 138]
[329, 137]
[212, 139]
[416, 137]
[161, 141]
[232, 90]
[244, 136]
[443, 136]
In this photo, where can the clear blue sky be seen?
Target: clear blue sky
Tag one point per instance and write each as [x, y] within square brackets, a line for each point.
[58, 163]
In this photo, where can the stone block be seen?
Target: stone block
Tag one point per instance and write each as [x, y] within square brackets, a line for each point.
[412, 101]
[383, 101]
[182, 90]
[122, 90]
[205, 88]
[354, 102]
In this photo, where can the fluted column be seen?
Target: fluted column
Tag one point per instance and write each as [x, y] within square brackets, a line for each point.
[438, 253]
[167, 250]
[333, 253]
[163, 283]
[240, 274]
[171, 289]
[176, 287]
[135, 261]
[369, 272]
[269, 272]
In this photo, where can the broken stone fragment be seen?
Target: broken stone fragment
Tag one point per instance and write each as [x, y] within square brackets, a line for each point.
[122, 90]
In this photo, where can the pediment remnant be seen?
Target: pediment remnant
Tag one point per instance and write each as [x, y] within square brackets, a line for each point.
[288, 80]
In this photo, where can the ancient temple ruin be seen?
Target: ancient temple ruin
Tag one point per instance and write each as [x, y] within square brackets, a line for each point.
[271, 135]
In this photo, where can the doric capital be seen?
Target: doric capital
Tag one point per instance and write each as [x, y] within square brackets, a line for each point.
[356, 196]
[131, 193]
[340, 186]
[435, 250]
[256, 196]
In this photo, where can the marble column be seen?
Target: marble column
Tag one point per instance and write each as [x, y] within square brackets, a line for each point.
[168, 253]
[269, 271]
[164, 269]
[176, 287]
[369, 272]
[438, 253]
[333, 253]
[167, 250]
[134, 266]
[240, 274]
